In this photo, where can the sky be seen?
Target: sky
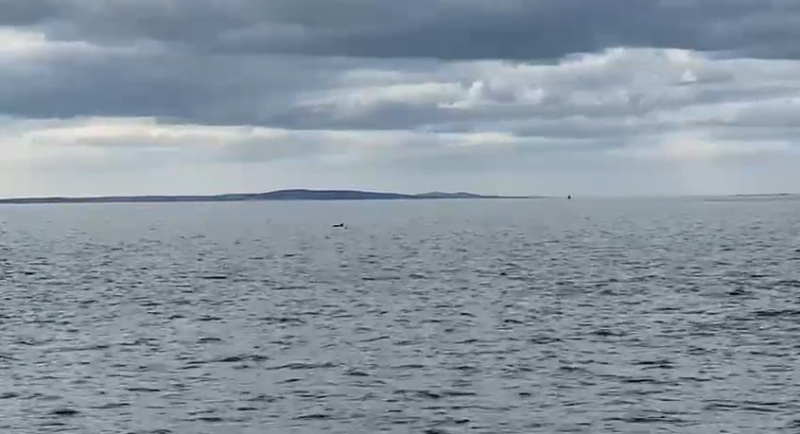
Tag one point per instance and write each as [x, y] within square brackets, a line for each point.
[554, 97]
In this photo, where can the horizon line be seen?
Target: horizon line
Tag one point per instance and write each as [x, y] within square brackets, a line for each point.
[272, 195]
[288, 194]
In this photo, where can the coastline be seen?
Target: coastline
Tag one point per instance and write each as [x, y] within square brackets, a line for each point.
[276, 195]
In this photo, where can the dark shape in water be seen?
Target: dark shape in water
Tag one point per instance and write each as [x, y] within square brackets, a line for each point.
[340, 225]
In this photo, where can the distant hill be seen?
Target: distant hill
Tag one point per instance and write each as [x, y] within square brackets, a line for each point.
[753, 197]
[294, 194]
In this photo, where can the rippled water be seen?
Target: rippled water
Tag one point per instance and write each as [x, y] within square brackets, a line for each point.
[585, 316]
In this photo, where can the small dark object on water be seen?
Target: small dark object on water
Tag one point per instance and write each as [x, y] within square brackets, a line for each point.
[340, 225]
[569, 196]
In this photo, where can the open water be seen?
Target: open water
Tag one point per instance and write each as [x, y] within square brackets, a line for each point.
[540, 316]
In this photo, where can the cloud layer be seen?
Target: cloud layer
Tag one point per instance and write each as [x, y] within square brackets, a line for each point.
[512, 96]
[441, 29]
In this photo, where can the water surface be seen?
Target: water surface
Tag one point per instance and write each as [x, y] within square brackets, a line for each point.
[543, 316]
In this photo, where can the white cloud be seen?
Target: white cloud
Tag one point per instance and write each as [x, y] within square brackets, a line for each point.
[103, 142]
[26, 45]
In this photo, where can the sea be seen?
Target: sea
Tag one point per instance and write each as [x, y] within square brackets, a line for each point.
[664, 315]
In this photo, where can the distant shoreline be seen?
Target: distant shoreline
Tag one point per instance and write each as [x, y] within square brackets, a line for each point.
[277, 195]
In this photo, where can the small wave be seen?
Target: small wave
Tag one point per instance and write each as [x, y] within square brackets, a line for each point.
[283, 320]
[544, 340]
[144, 389]
[428, 394]
[215, 277]
[242, 358]
[642, 380]
[647, 419]
[380, 278]
[608, 332]
[112, 406]
[776, 312]
[651, 364]
[409, 366]
[302, 366]
[314, 416]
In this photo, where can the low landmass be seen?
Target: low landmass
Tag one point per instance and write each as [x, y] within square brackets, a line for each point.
[755, 197]
[296, 194]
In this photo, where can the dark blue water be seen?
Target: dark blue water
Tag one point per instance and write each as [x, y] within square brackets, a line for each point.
[582, 316]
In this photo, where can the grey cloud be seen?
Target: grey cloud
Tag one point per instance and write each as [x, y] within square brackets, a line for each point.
[214, 63]
[653, 109]
[280, 91]
[202, 89]
[304, 93]
[27, 12]
[445, 29]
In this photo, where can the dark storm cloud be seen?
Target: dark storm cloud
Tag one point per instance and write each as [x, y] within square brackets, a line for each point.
[446, 29]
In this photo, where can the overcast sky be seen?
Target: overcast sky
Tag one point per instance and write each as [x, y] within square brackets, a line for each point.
[586, 97]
